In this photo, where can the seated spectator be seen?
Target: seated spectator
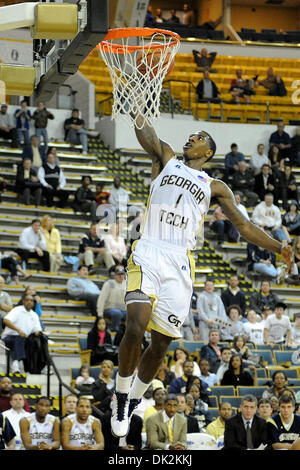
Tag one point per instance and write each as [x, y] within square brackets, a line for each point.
[173, 18]
[243, 181]
[15, 414]
[264, 409]
[53, 241]
[159, 396]
[180, 356]
[165, 375]
[253, 329]
[279, 384]
[276, 161]
[265, 183]
[262, 261]
[296, 330]
[82, 288]
[92, 249]
[82, 431]
[111, 301]
[224, 364]
[204, 60]
[287, 185]
[84, 381]
[241, 207]
[103, 387]
[207, 90]
[212, 351]
[40, 117]
[149, 20]
[9, 262]
[201, 410]
[291, 219]
[37, 305]
[179, 384]
[6, 390]
[258, 159]
[23, 117]
[75, 133]
[6, 303]
[241, 88]
[53, 150]
[167, 429]
[7, 127]
[118, 198]
[19, 323]
[3, 186]
[115, 244]
[27, 183]
[220, 224]
[35, 152]
[232, 159]
[98, 336]
[53, 181]
[284, 427]
[235, 325]
[277, 327]
[32, 244]
[273, 83]
[295, 148]
[70, 404]
[236, 375]
[208, 377]
[266, 214]
[282, 140]
[264, 299]
[245, 430]
[188, 18]
[216, 428]
[84, 200]
[192, 422]
[239, 347]
[210, 309]
[233, 295]
[101, 196]
[159, 18]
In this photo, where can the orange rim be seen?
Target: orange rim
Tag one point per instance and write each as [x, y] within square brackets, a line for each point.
[119, 33]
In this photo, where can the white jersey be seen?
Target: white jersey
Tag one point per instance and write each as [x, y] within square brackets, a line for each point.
[41, 432]
[178, 203]
[82, 433]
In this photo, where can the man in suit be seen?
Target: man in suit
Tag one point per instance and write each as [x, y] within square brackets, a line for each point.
[265, 183]
[166, 430]
[35, 152]
[245, 430]
[27, 184]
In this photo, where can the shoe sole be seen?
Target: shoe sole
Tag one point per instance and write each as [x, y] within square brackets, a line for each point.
[119, 437]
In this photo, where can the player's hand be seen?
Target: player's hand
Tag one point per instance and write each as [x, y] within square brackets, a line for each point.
[287, 255]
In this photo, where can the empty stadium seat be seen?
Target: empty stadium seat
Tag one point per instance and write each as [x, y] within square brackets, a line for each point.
[219, 390]
[85, 354]
[256, 391]
[283, 357]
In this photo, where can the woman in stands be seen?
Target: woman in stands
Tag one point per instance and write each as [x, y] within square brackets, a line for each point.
[180, 355]
[104, 386]
[279, 384]
[98, 336]
[237, 376]
[53, 241]
[115, 244]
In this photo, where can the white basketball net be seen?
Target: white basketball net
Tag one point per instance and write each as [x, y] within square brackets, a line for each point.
[136, 94]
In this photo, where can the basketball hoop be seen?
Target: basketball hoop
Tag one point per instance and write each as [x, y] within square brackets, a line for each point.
[137, 70]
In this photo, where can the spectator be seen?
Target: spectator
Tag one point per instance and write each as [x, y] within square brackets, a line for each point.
[224, 364]
[282, 140]
[266, 214]
[207, 90]
[188, 18]
[264, 299]
[264, 409]
[180, 356]
[98, 336]
[276, 161]
[7, 127]
[149, 20]
[54, 151]
[192, 422]
[212, 351]
[296, 250]
[204, 60]
[159, 18]
[37, 305]
[233, 295]
[3, 186]
[243, 181]
[232, 159]
[84, 200]
[241, 88]
[6, 389]
[208, 377]
[32, 244]
[165, 375]
[279, 384]
[27, 183]
[41, 430]
[246, 430]
[235, 325]
[92, 249]
[15, 414]
[265, 183]
[20, 322]
[253, 329]
[277, 327]
[101, 196]
[35, 152]
[241, 207]
[53, 241]
[115, 244]
[201, 410]
[6, 304]
[53, 181]
[23, 117]
[159, 396]
[295, 147]
[111, 303]
[70, 404]
[287, 184]
[210, 309]
[179, 384]
[273, 83]
[7, 434]
[291, 219]
[9, 262]
[258, 159]
[40, 117]
[75, 133]
[82, 431]
[84, 381]
[118, 198]
[284, 427]
[173, 18]
[220, 224]
[81, 288]
[239, 347]
[296, 330]
[103, 387]
[216, 429]
[167, 429]
[262, 261]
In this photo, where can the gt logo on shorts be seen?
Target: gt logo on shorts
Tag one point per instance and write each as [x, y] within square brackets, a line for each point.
[173, 319]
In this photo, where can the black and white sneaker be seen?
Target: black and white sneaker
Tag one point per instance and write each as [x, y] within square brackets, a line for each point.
[119, 416]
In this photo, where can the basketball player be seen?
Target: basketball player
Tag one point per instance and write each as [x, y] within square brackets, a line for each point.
[81, 431]
[40, 430]
[160, 269]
